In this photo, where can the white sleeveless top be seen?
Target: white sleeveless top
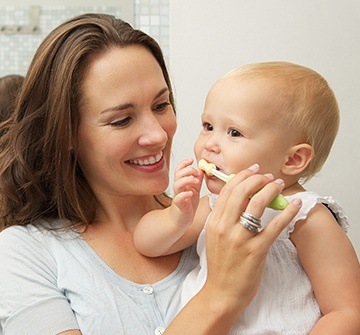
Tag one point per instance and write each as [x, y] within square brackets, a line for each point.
[285, 303]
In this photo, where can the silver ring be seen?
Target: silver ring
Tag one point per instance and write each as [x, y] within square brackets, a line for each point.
[251, 218]
[250, 222]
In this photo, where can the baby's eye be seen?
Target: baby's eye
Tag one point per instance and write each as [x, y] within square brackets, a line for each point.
[161, 107]
[234, 133]
[121, 123]
[207, 126]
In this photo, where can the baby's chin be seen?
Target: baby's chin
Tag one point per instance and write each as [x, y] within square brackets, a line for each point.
[214, 185]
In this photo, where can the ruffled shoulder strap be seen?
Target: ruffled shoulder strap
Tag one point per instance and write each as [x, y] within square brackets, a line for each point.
[310, 200]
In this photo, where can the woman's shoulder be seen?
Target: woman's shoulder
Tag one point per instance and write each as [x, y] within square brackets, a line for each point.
[16, 240]
[38, 229]
[18, 234]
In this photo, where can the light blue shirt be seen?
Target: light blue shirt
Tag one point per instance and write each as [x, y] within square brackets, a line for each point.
[51, 282]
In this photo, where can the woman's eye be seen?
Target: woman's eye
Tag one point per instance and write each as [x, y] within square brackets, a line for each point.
[121, 123]
[234, 133]
[161, 107]
[207, 126]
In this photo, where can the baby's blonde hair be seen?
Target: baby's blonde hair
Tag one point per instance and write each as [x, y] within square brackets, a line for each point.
[308, 102]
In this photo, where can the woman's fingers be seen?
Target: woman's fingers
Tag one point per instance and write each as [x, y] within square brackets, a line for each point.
[234, 198]
[241, 204]
[269, 234]
[240, 197]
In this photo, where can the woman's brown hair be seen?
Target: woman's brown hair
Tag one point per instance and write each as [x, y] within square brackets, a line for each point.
[39, 173]
[9, 88]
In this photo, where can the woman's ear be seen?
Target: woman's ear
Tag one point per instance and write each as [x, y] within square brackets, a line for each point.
[298, 158]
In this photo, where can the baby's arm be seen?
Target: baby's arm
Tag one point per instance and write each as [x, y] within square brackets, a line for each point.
[168, 230]
[331, 263]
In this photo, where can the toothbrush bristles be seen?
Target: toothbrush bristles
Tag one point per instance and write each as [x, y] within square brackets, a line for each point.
[208, 168]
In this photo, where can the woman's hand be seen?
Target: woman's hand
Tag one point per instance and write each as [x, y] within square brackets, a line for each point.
[235, 255]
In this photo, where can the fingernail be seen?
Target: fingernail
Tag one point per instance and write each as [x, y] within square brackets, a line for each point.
[297, 202]
[254, 167]
[269, 175]
[279, 181]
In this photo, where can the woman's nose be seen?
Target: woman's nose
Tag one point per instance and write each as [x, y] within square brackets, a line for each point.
[152, 132]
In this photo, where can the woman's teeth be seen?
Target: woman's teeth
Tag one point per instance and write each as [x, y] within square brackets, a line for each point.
[148, 161]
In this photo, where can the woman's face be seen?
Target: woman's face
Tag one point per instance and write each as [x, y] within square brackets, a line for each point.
[126, 123]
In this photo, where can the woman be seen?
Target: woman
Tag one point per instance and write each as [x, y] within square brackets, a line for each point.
[87, 155]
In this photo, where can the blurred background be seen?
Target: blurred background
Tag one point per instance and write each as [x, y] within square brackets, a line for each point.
[203, 39]
[24, 23]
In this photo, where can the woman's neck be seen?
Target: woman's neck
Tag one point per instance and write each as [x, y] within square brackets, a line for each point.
[125, 211]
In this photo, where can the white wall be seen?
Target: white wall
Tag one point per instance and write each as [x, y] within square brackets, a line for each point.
[208, 38]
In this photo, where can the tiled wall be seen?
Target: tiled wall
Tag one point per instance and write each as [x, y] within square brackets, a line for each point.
[16, 50]
[152, 17]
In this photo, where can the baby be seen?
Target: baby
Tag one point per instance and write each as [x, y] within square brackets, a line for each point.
[282, 119]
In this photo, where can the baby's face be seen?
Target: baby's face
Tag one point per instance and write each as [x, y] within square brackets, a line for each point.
[242, 125]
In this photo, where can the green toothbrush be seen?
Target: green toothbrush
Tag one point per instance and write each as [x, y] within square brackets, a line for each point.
[278, 203]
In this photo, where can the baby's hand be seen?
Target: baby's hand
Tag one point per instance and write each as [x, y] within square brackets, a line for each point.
[187, 186]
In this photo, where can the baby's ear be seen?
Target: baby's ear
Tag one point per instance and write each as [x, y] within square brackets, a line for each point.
[298, 158]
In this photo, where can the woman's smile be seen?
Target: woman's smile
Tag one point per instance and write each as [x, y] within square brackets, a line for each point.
[151, 163]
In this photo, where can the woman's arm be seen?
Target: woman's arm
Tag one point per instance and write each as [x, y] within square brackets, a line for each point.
[333, 268]
[235, 256]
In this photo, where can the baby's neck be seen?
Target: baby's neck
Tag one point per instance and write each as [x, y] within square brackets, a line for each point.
[293, 189]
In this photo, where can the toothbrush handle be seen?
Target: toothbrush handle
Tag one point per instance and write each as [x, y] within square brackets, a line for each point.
[222, 176]
[278, 203]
